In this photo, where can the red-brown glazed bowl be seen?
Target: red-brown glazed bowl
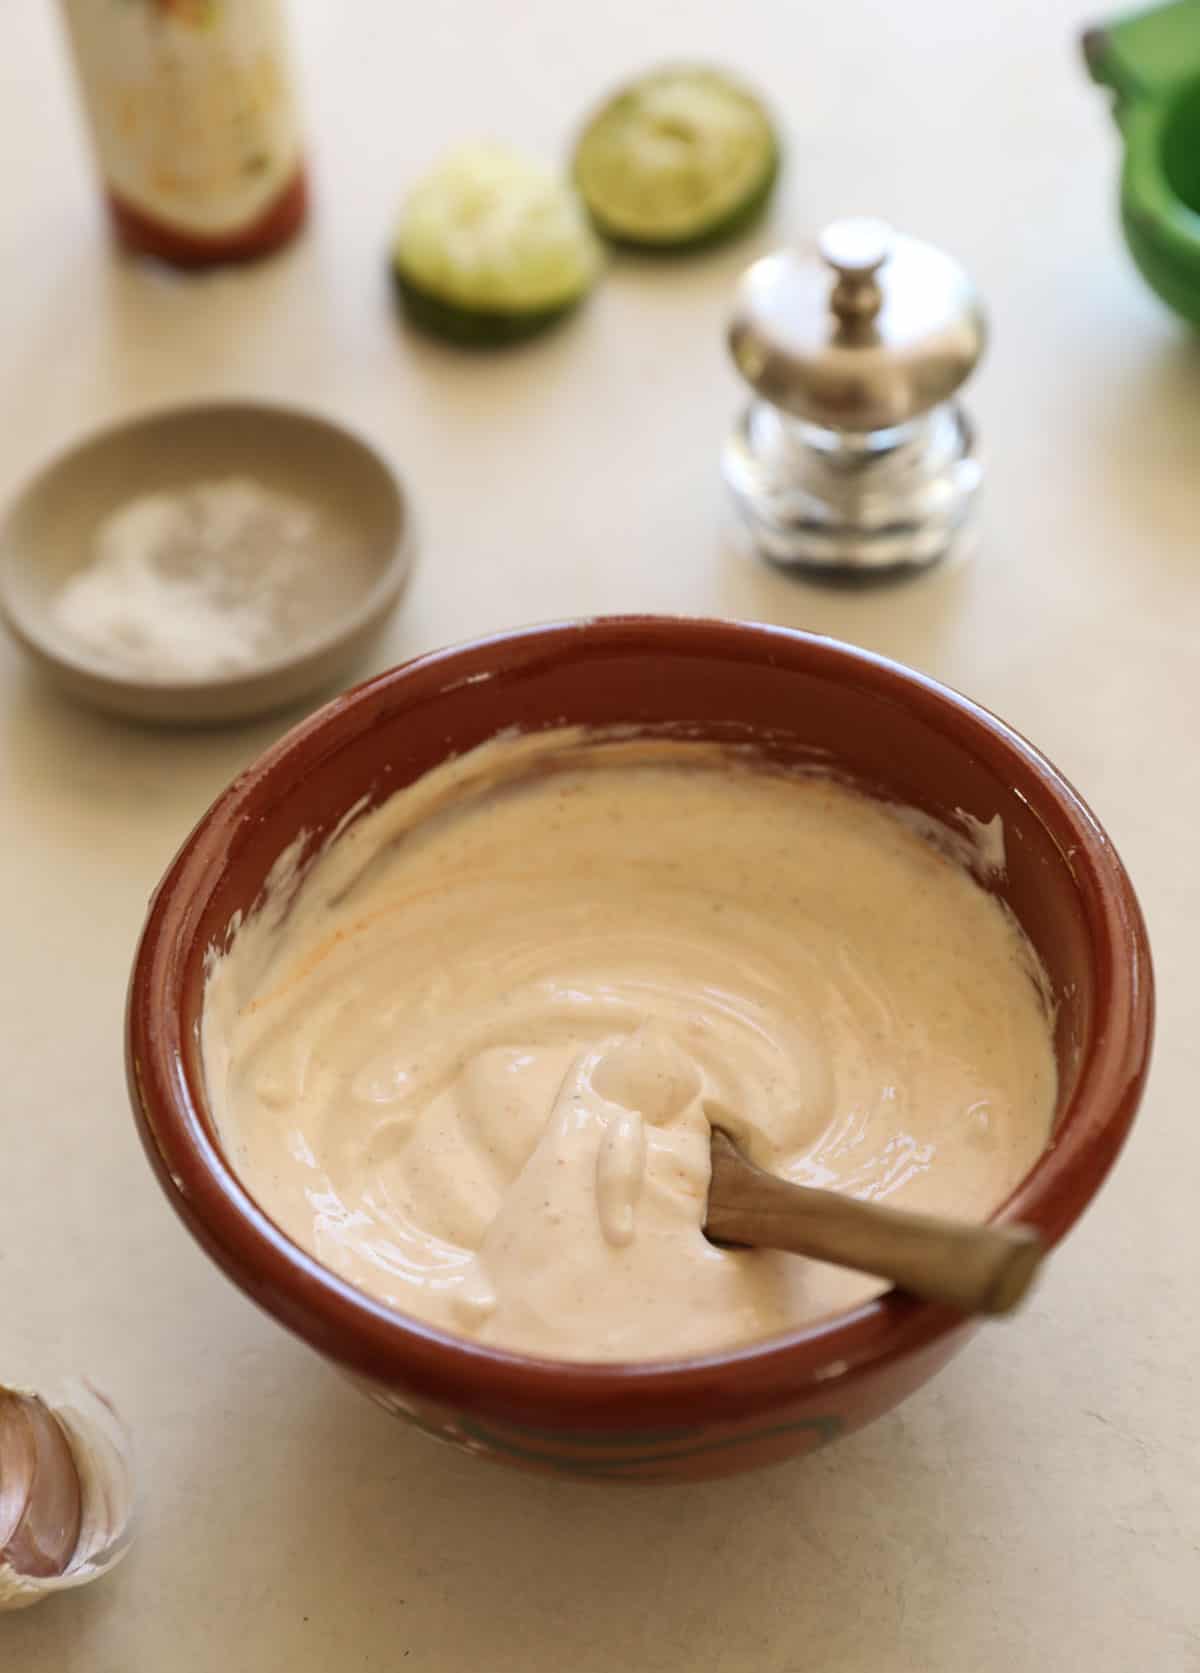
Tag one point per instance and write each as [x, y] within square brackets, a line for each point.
[804, 700]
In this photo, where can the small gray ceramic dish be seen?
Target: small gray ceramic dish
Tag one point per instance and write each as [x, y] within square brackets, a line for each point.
[47, 535]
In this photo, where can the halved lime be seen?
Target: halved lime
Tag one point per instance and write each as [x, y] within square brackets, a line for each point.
[491, 247]
[684, 156]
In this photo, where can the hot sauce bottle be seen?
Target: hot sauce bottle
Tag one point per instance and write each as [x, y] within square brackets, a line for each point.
[194, 123]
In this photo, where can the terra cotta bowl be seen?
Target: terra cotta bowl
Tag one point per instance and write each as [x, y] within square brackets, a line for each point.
[805, 700]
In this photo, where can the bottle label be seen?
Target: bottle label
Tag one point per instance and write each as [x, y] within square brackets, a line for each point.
[190, 105]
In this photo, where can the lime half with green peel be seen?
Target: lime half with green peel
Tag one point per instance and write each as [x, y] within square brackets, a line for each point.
[491, 247]
[685, 156]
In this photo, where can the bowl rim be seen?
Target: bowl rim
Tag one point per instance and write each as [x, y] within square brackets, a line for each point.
[395, 1349]
[370, 606]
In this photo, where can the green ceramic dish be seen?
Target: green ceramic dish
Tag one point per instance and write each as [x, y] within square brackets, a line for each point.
[1151, 60]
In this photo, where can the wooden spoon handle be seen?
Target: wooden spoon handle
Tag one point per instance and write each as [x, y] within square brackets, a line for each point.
[976, 1268]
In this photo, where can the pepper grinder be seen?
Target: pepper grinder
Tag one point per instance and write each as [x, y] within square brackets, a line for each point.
[854, 459]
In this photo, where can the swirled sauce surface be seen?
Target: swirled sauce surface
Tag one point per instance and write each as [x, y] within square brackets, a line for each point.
[469, 1057]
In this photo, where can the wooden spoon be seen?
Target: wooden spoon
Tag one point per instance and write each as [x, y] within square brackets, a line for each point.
[976, 1268]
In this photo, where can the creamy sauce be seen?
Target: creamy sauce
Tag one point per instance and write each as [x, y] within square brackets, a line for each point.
[470, 1056]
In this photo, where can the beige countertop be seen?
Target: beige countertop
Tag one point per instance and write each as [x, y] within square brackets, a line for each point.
[1037, 1507]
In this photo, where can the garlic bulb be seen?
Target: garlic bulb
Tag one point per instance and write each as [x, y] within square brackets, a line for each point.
[66, 1491]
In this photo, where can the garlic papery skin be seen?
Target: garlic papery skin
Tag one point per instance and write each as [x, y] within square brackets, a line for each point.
[66, 1491]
